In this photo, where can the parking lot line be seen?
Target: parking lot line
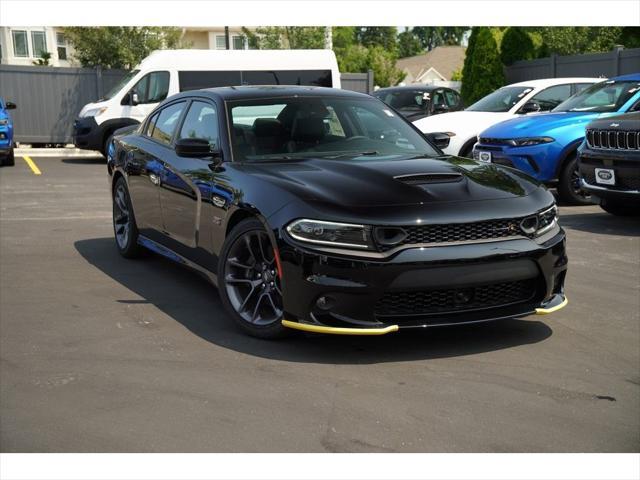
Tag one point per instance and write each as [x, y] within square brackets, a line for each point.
[32, 165]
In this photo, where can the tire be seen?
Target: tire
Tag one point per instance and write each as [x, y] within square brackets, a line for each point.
[569, 189]
[9, 160]
[124, 222]
[619, 209]
[248, 283]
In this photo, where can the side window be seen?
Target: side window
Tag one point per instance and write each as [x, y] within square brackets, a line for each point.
[438, 98]
[551, 97]
[201, 122]
[151, 124]
[452, 98]
[152, 88]
[167, 122]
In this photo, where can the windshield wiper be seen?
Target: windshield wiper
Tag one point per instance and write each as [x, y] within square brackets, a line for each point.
[355, 154]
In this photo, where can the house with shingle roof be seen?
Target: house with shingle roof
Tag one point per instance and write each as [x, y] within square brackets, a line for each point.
[433, 66]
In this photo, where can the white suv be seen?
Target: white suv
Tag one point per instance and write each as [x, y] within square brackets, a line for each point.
[507, 102]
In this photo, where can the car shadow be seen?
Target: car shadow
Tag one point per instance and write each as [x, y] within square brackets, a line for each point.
[97, 160]
[601, 223]
[192, 301]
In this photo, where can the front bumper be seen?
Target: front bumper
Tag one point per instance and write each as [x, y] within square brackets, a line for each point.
[421, 287]
[626, 167]
[538, 161]
[6, 140]
[87, 134]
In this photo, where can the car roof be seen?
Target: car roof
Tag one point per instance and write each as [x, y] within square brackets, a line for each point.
[270, 91]
[549, 82]
[625, 78]
[415, 86]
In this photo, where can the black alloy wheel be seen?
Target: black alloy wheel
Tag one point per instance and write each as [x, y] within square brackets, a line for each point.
[569, 188]
[124, 223]
[248, 281]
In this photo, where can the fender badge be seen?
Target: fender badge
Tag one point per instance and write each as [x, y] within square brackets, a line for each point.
[614, 125]
[218, 201]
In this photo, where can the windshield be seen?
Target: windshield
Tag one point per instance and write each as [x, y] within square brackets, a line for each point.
[321, 127]
[606, 96]
[410, 100]
[118, 86]
[502, 100]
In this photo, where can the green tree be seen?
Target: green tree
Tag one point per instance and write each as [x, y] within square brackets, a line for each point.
[465, 90]
[630, 37]
[432, 37]
[408, 44]
[343, 37]
[575, 40]
[119, 47]
[484, 73]
[358, 58]
[516, 45]
[383, 36]
[276, 38]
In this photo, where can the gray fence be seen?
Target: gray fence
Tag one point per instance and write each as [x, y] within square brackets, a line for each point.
[608, 64]
[49, 98]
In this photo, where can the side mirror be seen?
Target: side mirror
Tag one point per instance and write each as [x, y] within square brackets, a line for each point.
[530, 107]
[440, 108]
[135, 100]
[10, 106]
[440, 140]
[195, 148]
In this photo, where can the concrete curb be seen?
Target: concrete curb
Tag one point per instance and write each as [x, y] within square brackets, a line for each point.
[56, 152]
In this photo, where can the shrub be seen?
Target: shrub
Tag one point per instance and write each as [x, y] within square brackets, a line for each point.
[483, 74]
[516, 45]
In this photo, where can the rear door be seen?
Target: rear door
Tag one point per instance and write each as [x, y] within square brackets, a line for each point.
[145, 165]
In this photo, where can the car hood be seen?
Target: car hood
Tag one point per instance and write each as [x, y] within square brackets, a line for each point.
[367, 182]
[460, 121]
[539, 125]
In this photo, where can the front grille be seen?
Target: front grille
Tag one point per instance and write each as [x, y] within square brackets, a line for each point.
[459, 232]
[613, 139]
[626, 179]
[455, 300]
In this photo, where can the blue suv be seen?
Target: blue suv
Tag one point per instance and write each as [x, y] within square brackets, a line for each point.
[545, 145]
[6, 133]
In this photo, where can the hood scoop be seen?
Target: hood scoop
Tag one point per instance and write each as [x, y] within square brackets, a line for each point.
[429, 178]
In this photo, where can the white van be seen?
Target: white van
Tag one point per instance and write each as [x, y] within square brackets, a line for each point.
[167, 72]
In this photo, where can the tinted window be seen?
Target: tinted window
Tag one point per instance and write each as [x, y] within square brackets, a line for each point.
[321, 127]
[201, 122]
[151, 124]
[405, 99]
[438, 97]
[502, 100]
[152, 88]
[195, 80]
[452, 98]
[606, 96]
[552, 97]
[167, 122]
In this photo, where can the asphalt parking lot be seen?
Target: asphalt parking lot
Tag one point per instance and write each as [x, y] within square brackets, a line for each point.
[103, 354]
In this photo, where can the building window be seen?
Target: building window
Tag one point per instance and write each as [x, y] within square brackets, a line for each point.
[61, 43]
[221, 44]
[20, 46]
[238, 42]
[38, 43]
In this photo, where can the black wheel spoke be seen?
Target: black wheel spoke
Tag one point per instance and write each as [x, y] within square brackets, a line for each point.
[255, 309]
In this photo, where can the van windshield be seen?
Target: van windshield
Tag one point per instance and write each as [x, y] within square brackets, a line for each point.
[118, 86]
[295, 128]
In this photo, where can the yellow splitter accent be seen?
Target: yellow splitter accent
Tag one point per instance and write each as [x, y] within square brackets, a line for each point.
[338, 330]
[545, 311]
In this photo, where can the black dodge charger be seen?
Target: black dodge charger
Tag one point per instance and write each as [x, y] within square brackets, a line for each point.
[324, 210]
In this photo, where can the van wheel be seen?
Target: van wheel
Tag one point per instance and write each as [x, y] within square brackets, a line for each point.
[569, 189]
[248, 281]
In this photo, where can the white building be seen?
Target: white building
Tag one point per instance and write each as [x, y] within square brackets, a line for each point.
[24, 45]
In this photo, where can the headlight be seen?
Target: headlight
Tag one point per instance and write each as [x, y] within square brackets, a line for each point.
[331, 233]
[528, 141]
[539, 224]
[94, 112]
[4, 121]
